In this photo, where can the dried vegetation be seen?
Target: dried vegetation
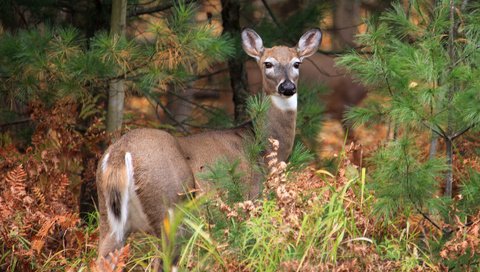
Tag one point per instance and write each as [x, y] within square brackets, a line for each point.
[311, 220]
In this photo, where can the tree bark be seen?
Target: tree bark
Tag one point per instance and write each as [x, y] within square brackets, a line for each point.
[450, 93]
[449, 174]
[346, 20]
[238, 77]
[433, 146]
[116, 95]
[116, 92]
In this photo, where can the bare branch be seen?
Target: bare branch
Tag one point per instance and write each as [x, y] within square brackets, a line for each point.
[439, 131]
[270, 12]
[136, 11]
[16, 122]
[461, 132]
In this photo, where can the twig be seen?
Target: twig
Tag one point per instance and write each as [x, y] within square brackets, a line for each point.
[322, 71]
[190, 102]
[332, 52]
[344, 28]
[16, 122]
[439, 132]
[410, 195]
[461, 132]
[269, 10]
[136, 11]
[167, 112]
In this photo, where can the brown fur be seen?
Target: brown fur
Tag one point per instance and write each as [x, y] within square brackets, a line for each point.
[164, 167]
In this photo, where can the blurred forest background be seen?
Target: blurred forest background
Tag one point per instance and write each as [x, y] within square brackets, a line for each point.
[385, 176]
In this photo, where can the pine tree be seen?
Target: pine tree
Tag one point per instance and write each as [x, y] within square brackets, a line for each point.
[423, 58]
[47, 64]
[50, 63]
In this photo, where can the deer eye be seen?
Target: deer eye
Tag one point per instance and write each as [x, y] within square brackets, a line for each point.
[296, 65]
[268, 65]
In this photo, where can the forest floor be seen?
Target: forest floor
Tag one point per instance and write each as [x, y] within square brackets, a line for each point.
[316, 220]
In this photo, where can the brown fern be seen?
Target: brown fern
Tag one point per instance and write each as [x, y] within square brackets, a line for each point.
[39, 196]
[115, 262]
[15, 179]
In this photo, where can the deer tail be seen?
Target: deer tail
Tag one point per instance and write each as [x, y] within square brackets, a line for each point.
[116, 182]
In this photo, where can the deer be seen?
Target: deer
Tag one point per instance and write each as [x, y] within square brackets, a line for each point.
[344, 91]
[147, 171]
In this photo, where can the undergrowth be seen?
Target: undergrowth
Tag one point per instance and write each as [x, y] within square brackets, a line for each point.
[307, 219]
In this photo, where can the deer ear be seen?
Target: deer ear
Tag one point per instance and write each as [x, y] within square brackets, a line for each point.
[252, 43]
[308, 43]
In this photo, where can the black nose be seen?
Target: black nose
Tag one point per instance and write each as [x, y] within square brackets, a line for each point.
[287, 88]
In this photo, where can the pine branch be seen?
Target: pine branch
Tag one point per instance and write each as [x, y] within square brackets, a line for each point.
[461, 132]
[439, 131]
[407, 175]
[424, 215]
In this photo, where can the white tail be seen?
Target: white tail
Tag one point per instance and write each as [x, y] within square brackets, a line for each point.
[147, 171]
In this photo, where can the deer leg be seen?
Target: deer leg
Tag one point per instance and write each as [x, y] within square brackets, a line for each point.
[108, 243]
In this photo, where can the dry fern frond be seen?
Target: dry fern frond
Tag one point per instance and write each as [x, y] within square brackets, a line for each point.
[39, 240]
[16, 181]
[68, 220]
[115, 262]
[39, 196]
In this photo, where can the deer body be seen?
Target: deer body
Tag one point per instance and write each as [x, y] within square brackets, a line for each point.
[147, 171]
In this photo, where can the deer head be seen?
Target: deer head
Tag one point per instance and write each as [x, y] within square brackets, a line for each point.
[280, 64]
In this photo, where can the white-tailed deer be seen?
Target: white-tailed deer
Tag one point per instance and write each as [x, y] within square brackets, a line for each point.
[147, 171]
[344, 91]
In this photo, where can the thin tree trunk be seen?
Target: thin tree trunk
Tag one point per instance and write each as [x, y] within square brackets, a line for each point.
[451, 91]
[449, 174]
[238, 77]
[433, 145]
[116, 92]
[116, 95]
[346, 20]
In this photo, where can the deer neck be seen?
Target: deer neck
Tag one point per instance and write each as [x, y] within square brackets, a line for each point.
[282, 116]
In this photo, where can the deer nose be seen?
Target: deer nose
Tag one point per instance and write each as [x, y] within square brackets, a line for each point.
[287, 88]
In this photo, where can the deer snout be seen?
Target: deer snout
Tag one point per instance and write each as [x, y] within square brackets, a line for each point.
[287, 88]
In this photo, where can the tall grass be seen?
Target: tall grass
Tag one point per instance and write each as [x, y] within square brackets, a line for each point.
[304, 223]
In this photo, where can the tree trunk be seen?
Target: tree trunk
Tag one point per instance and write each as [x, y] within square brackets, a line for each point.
[116, 96]
[433, 146]
[238, 77]
[450, 93]
[346, 20]
[449, 174]
[116, 92]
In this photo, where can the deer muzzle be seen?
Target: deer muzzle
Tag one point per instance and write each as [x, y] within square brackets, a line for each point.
[287, 88]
